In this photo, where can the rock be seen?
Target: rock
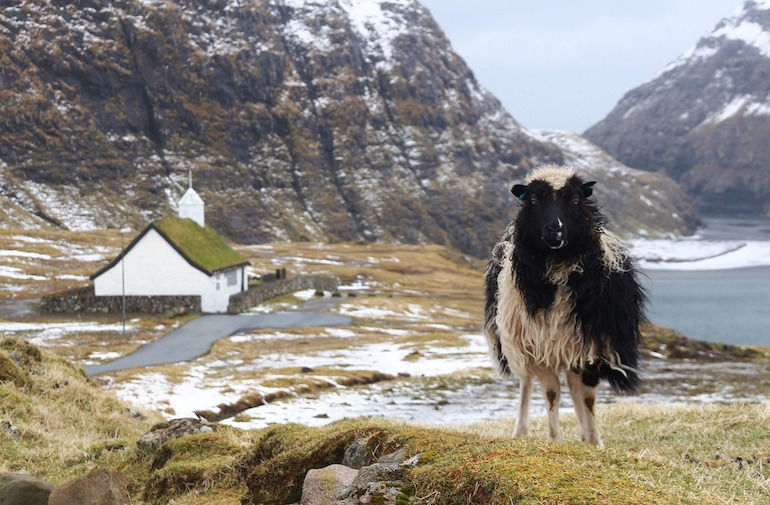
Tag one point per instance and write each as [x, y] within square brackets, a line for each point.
[396, 457]
[7, 427]
[322, 486]
[134, 414]
[176, 428]
[357, 454]
[384, 493]
[21, 489]
[413, 462]
[98, 487]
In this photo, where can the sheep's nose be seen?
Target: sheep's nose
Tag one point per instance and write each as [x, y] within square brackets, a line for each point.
[554, 234]
[555, 228]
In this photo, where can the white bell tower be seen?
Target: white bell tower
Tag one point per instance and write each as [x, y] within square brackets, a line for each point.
[191, 205]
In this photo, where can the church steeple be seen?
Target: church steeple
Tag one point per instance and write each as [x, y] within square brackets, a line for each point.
[191, 205]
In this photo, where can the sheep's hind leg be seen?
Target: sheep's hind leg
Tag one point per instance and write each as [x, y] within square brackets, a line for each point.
[575, 384]
[525, 394]
[549, 379]
[584, 398]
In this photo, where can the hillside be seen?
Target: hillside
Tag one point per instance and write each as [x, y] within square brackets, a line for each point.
[704, 120]
[325, 121]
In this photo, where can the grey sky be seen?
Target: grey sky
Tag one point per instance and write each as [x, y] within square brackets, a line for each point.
[564, 64]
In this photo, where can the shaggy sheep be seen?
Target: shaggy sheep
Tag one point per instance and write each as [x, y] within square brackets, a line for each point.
[562, 295]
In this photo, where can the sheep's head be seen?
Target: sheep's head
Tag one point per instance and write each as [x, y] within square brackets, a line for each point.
[556, 213]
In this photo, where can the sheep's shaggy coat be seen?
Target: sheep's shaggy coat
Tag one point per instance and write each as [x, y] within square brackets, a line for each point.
[562, 296]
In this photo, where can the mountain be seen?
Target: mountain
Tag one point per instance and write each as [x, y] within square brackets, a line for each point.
[705, 119]
[342, 120]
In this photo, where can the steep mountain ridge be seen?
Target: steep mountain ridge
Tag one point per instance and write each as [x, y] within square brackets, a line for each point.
[705, 119]
[339, 120]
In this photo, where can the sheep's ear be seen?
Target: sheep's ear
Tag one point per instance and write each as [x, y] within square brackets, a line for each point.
[588, 188]
[519, 191]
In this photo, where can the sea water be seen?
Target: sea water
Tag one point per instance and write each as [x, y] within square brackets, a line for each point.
[730, 305]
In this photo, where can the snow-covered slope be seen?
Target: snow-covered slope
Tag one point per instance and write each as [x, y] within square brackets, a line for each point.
[705, 118]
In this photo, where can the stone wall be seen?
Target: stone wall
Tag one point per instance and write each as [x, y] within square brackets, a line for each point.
[254, 296]
[84, 299]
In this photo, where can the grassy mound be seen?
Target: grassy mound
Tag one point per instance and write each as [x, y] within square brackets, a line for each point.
[655, 455]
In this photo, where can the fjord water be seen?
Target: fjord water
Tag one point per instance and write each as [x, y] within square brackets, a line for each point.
[730, 306]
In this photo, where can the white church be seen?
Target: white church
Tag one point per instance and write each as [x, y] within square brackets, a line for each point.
[177, 256]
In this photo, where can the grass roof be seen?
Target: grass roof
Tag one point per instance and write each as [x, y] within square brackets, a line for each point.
[201, 245]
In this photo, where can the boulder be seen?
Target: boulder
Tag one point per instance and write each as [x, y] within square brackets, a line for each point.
[176, 428]
[21, 489]
[322, 486]
[98, 487]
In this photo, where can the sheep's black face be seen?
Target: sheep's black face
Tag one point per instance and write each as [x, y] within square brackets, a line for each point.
[553, 217]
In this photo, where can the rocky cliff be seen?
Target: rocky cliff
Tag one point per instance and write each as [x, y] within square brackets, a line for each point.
[705, 119]
[340, 120]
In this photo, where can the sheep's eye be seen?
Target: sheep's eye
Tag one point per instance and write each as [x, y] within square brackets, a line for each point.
[575, 201]
[533, 200]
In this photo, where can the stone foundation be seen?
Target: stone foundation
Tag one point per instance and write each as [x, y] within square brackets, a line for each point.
[83, 300]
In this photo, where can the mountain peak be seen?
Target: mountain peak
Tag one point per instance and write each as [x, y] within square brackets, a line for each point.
[705, 118]
[748, 24]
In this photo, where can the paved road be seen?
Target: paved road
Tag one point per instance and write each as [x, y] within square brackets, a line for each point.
[195, 338]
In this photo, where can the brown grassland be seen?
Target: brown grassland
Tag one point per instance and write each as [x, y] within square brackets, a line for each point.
[68, 423]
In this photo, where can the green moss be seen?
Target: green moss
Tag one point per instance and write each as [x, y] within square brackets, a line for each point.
[202, 245]
[11, 372]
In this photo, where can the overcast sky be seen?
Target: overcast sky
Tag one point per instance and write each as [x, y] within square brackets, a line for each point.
[564, 64]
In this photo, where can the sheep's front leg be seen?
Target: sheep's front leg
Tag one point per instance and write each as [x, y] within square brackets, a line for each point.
[584, 398]
[552, 392]
[525, 394]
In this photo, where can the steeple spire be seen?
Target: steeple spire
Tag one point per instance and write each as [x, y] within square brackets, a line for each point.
[191, 205]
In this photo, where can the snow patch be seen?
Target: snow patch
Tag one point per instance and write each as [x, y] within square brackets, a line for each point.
[693, 254]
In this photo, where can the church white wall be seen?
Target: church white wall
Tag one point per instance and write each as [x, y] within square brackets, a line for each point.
[220, 286]
[152, 267]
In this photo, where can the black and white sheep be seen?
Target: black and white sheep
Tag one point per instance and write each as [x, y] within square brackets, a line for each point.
[562, 295]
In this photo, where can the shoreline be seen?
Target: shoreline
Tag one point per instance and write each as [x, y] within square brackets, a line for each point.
[758, 273]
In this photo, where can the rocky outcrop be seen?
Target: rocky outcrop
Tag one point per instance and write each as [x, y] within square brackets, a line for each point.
[377, 481]
[704, 120]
